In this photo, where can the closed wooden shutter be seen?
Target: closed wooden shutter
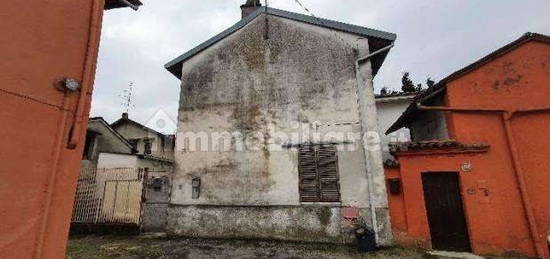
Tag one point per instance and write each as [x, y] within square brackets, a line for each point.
[318, 169]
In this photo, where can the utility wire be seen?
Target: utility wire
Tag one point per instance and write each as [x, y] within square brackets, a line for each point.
[320, 21]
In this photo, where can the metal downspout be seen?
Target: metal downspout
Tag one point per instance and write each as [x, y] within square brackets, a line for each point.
[367, 57]
[520, 177]
[374, 220]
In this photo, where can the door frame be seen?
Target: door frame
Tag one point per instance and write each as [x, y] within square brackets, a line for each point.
[463, 203]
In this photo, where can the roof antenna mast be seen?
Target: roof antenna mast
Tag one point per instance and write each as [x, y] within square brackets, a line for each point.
[127, 95]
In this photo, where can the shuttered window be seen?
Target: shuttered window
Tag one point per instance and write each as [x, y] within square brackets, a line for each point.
[318, 169]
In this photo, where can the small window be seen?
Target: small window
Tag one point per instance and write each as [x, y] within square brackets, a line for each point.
[318, 173]
[134, 143]
[157, 183]
[88, 146]
[148, 146]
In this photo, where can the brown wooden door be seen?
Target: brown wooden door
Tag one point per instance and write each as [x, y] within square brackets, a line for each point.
[445, 212]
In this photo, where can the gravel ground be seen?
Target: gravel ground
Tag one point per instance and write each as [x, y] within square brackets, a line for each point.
[155, 247]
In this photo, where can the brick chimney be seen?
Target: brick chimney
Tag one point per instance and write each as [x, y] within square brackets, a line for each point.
[249, 7]
[125, 115]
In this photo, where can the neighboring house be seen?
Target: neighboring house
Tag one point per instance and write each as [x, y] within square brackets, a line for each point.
[107, 148]
[110, 160]
[388, 109]
[146, 141]
[476, 176]
[102, 139]
[272, 75]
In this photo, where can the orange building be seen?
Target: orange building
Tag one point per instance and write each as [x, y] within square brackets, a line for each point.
[476, 176]
[49, 52]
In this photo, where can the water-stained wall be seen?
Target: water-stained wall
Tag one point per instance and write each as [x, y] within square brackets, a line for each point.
[243, 94]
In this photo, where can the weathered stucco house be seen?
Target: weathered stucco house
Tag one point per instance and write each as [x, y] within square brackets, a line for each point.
[146, 141]
[475, 178]
[106, 147]
[109, 159]
[101, 139]
[269, 143]
[389, 108]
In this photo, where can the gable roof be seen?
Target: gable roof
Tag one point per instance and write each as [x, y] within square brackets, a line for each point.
[438, 89]
[127, 120]
[106, 125]
[377, 39]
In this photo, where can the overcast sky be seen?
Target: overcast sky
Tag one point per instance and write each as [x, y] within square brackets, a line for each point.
[434, 38]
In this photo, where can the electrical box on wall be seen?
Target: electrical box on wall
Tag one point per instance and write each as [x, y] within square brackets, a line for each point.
[394, 185]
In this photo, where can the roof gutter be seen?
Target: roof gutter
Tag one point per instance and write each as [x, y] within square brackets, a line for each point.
[399, 123]
[507, 116]
[126, 3]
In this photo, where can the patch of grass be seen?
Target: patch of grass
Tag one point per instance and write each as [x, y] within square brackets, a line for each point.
[111, 247]
[133, 247]
[396, 252]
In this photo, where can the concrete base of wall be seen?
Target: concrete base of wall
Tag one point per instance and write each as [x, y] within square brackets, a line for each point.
[293, 223]
[385, 236]
[154, 218]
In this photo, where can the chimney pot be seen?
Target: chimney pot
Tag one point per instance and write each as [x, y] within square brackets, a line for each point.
[249, 7]
[125, 115]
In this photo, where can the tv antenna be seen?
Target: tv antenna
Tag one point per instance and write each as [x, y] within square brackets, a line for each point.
[127, 95]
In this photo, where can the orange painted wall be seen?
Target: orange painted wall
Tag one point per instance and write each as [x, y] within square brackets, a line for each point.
[497, 223]
[41, 43]
[397, 207]
[534, 152]
[398, 213]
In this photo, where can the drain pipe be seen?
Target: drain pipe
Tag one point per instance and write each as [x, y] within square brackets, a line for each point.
[367, 57]
[520, 176]
[361, 84]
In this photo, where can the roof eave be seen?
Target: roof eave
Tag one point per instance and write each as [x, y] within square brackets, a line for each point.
[175, 65]
[121, 120]
[110, 128]
[114, 4]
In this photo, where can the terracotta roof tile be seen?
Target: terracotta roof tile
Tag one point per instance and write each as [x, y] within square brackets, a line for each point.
[436, 145]
[391, 163]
